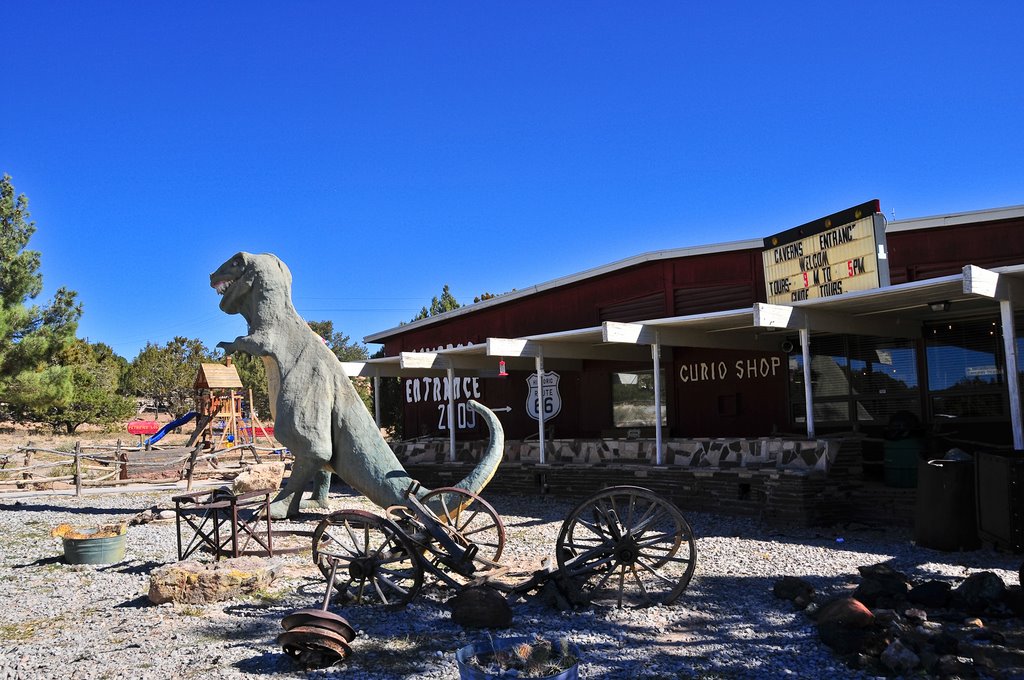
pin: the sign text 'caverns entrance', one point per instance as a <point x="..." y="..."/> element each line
<point x="837" y="254"/>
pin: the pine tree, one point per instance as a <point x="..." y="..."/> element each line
<point x="31" y="336"/>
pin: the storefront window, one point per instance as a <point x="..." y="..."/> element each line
<point x="856" y="379"/>
<point x="965" y="370"/>
<point x="633" y="399"/>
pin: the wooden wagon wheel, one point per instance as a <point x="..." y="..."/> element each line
<point x="469" y="520"/>
<point x="377" y="563"/>
<point x="626" y="545"/>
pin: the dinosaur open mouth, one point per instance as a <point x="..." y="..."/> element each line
<point x="222" y="286"/>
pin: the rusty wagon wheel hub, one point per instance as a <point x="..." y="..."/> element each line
<point x="362" y="568"/>
<point x="627" y="551"/>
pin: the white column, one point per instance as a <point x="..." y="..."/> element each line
<point x="539" y="361"/>
<point x="805" y="349"/>
<point x="656" y="355"/>
<point x="1012" y="384"/>
<point x="451" y="414"/>
<point x="376" y="400"/>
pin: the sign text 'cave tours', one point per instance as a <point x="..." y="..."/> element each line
<point x="830" y="256"/>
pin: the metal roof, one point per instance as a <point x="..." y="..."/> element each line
<point x="893" y="311"/>
<point x="935" y="222"/>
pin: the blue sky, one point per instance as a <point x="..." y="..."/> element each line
<point x="383" y="150"/>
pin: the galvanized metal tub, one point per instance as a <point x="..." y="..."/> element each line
<point x="105" y="550"/>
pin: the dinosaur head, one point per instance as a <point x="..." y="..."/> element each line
<point x="246" y="274"/>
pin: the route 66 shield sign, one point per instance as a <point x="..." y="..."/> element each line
<point x="546" y="398"/>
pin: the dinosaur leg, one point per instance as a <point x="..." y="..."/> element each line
<point x="288" y="501"/>
<point x="321" y="487"/>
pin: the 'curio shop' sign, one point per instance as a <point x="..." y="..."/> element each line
<point x="741" y="369"/>
<point x="837" y="254"/>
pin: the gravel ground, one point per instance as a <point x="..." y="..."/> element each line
<point x="95" y="621"/>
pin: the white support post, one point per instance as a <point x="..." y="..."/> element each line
<point x="376" y="400"/>
<point x="656" y="356"/>
<point x="1012" y="384"/>
<point x="539" y="362"/>
<point x="451" y="414"/>
<point x="805" y="349"/>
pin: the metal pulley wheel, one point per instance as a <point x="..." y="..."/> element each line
<point x="317" y="638"/>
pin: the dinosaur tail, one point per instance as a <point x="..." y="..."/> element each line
<point x="478" y="478"/>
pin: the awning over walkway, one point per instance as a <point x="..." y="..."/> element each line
<point x="898" y="311"/>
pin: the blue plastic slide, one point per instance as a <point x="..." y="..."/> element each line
<point x="170" y="426"/>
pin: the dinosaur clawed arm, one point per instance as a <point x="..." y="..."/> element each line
<point x="243" y="343"/>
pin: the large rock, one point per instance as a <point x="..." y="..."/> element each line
<point x="930" y="594"/>
<point x="882" y="586"/>
<point x="480" y="607"/>
<point x="978" y="592"/>
<point x="259" y="477"/>
<point x="845" y="625"/>
<point x="199" y="583"/>
<point x="846" y="611"/>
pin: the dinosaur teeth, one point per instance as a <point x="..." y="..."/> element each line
<point x="221" y="286"/>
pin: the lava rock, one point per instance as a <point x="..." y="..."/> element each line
<point x="978" y="592"/>
<point x="931" y="594"/>
<point x="842" y="639"/>
<point x="900" y="658"/>
<point x="882" y="586"/>
<point x="796" y="590"/>
<point x="1014" y="599"/>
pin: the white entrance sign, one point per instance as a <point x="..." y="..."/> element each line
<point x="548" y="399"/>
<point x="837" y="254"/>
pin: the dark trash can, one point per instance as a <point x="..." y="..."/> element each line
<point x="904" y="446"/>
<point x="1000" y="494"/>
<point x="902" y="457"/>
<point x="946" y="516"/>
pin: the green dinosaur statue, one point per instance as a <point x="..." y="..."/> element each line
<point x="318" y="414"/>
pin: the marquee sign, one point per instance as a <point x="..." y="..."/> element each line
<point x="830" y="256"/>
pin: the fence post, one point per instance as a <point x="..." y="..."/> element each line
<point x="191" y="467"/>
<point x="28" y="463"/>
<point x="122" y="458"/>
<point x="78" y="468"/>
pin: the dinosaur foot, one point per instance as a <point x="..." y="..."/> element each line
<point x="279" y="509"/>
<point x="314" y="504"/>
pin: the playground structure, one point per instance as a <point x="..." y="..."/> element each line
<point x="219" y="414"/>
<point x="220" y="407"/>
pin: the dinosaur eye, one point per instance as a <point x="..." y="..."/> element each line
<point x="237" y="262"/>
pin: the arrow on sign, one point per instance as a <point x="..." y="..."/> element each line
<point x="506" y="409"/>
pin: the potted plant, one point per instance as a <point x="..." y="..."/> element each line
<point x="519" y="657"/>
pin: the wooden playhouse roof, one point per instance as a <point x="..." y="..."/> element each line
<point x="217" y="376"/>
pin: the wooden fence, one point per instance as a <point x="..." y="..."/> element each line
<point x="31" y="467"/>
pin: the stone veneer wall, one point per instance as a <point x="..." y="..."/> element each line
<point x="807" y="482"/>
<point x="753" y="454"/>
